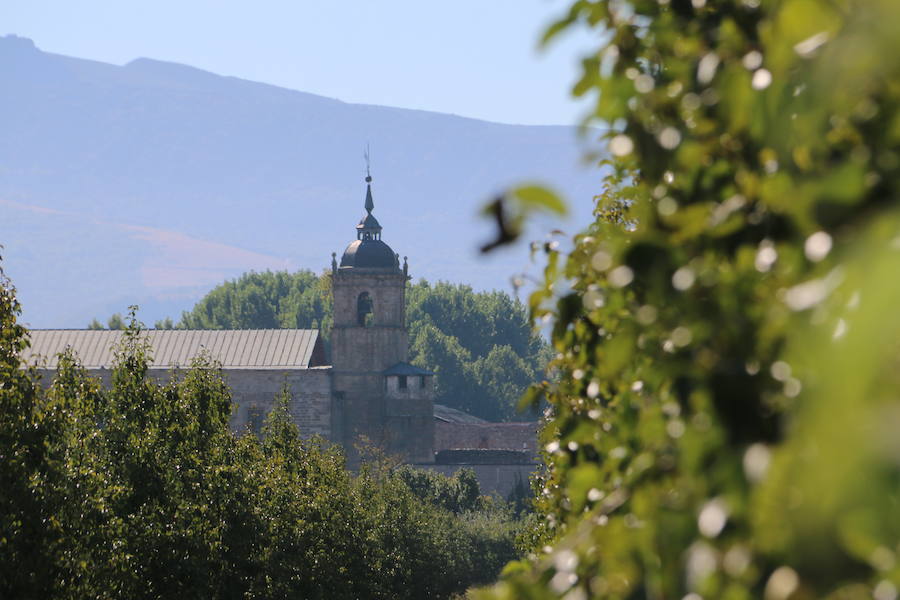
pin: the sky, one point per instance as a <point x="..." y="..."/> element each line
<point x="475" y="58"/>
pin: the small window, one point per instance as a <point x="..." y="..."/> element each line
<point x="422" y="382"/>
<point x="402" y="380"/>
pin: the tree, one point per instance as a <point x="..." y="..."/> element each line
<point x="116" y="321"/>
<point x="458" y="494"/>
<point x="432" y="348"/>
<point x="480" y="344"/>
<point x="729" y="340"/>
<point x="268" y="300"/>
<point x="505" y="375"/>
<point x="166" y="323"/>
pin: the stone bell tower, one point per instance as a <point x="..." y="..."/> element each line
<point x="382" y="399"/>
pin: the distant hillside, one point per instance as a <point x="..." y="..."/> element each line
<point x="150" y="183"/>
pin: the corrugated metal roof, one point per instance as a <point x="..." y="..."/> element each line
<point x="235" y="348"/>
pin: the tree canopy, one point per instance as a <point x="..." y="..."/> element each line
<point x="727" y="338"/>
<point x="481" y="346"/>
<point x="268" y="300"/>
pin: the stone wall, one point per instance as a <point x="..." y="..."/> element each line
<point x="492" y="479"/>
<point x="254" y="392"/>
<point x="361" y="350"/>
<point x="409" y="415"/>
<point x="494" y="436"/>
<point x="479" y="456"/>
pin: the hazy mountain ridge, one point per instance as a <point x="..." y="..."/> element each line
<point x="269" y="172"/>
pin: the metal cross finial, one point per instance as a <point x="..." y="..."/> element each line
<point x="368" y="164"/>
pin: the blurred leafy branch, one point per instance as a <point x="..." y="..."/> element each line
<point x="512" y="210"/>
<point x="724" y="423"/>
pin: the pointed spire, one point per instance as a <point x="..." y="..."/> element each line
<point x="368" y="228"/>
<point x="370" y="204"/>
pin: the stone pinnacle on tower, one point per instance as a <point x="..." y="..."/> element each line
<point x="370" y="204"/>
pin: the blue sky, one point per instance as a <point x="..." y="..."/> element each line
<point x="472" y="58"/>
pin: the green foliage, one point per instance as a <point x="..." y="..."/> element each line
<point x="140" y="490"/>
<point x="166" y="323"/>
<point x="116" y="321"/>
<point x="269" y="300"/>
<point x="458" y="494"/>
<point x="722" y="423"/>
<point x="480" y="344"/>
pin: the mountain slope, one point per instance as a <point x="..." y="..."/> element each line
<point x="148" y="183"/>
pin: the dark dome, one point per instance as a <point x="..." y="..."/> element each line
<point x="369" y="254"/>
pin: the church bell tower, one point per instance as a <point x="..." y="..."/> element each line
<point x="382" y="399"/>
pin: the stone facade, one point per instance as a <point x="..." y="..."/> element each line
<point x="255" y="391"/>
<point x="409" y="417"/>
<point x="494" y="436"/>
<point x="369" y="337"/>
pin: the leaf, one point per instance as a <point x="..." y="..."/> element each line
<point x="581" y="479"/>
<point x="510" y="211"/>
<point x="531" y="398"/>
<point x="560" y="25"/>
<point x="536" y="197"/>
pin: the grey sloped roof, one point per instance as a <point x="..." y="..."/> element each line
<point x="404" y="368"/>
<point x="452" y="415"/>
<point x="235" y="349"/>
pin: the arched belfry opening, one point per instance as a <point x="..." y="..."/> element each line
<point x="365" y="310"/>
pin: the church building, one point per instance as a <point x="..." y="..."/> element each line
<point x="369" y="395"/>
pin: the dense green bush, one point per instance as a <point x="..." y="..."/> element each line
<point x="142" y="491"/>
<point x="724" y="424"/>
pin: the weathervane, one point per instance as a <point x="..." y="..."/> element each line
<point x="368" y="164"/>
